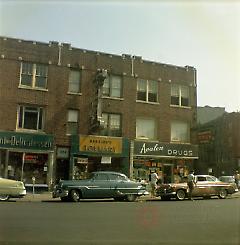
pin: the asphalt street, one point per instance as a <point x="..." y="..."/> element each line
<point x="212" y="222"/>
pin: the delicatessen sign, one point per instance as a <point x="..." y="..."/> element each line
<point x="165" y="149"/>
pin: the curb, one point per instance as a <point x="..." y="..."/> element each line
<point x="47" y="197"/>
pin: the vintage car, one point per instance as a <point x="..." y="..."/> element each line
<point x="206" y="186"/>
<point x="11" y="189"/>
<point x="101" y="184"/>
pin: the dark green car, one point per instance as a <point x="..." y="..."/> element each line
<point x="102" y="184"/>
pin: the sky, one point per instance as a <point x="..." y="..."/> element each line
<point x="200" y="33"/>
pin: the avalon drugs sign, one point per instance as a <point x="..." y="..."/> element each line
<point x="165" y="149"/>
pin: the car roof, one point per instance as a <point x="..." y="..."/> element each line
<point x="107" y="172"/>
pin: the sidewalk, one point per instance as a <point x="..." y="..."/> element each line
<point x="47" y="197"/>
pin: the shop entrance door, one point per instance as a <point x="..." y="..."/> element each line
<point x="168" y="173"/>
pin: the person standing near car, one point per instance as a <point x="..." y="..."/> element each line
<point x="153" y="182"/>
<point x="237" y="178"/>
<point x="191" y="182"/>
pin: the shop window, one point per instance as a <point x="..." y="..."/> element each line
<point x="147" y="91"/>
<point x="145" y="128"/>
<point x="72" y="122"/>
<point x="180" y="132"/>
<point x="112" y="86"/>
<point x="74" y="81"/>
<point x="112" y="125"/>
<point x="180" y="95"/>
<point x="33" y="75"/>
<point x="30" y="118"/>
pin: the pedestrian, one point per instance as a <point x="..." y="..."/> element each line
<point x="191" y="183"/>
<point x="153" y="182"/>
<point x="237" y="178"/>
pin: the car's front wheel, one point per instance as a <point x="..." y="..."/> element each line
<point x="131" y="197"/>
<point x="74" y="195"/>
<point x="222" y="194"/>
<point x="4" y="197"/>
<point x="180" y="195"/>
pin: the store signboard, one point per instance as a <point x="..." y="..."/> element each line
<point x="100" y="144"/>
<point x="63" y="152"/>
<point x="142" y="148"/>
<point x="14" y="140"/>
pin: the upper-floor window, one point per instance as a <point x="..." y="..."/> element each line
<point x="112" y="125"/>
<point x="112" y="86"/>
<point x="72" y="122"/>
<point x="30" y="117"/>
<point x="34" y="75"/>
<point x="147" y="90"/>
<point x="146" y="128"/>
<point x="180" y="132"/>
<point x="179" y="95"/>
<point x="74" y="81"/>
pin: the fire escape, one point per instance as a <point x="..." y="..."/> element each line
<point x="96" y="121"/>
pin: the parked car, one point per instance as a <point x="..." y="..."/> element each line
<point x="101" y="184"/>
<point x="206" y="186"/>
<point x="11" y="189"/>
<point x="228" y="179"/>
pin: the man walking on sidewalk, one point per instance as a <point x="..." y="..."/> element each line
<point x="191" y="183"/>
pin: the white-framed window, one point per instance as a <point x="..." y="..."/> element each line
<point x="72" y="122"/>
<point x="112" y="86"/>
<point x="147" y="90"/>
<point x="74" y="81"/>
<point x="112" y="125"/>
<point x="30" y="117"/>
<point x="180" y="132"/>
<point x="180" y="95"/>
<point x="146" y="128"/>
<point x="34" y="75"/>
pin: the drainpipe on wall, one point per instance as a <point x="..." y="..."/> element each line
<point x="132" y="65"/>
<point x="59" y="54"/>
<point x="131" y="159"/>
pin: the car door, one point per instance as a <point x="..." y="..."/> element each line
<point x="98" y="186"/>
<point x="119" y="185"/>
<point x="201" y="188"/>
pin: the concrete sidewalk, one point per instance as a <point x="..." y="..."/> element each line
<point x="47" y="197"/>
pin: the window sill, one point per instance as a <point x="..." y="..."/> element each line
<point x="72" y="93"/>
<point x="181" y="107"/>
<point x="146" y="102"/>
<point x="33" y="88"/>
<point x="29" y="131"/>
<point x="180" y="143"/>
<point x="112" y="98"/>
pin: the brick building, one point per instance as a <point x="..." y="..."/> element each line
<point x="219" y="144"/>
<point x="66" y="111"/>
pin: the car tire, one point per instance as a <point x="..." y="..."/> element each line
<point x="131" y="197"/>
<point x="4" y="197"/>
<point x="180" y="195"/>
<point x="222" y="194"/>
<point x="75" y="195"/>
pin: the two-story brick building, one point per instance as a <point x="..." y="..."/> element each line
<point x="67" y="111"/>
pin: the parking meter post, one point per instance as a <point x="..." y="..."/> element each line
<point x="33" y="181"/>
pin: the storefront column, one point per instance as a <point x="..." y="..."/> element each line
<point x="50" y="170"/>
<point x="6" y="164"/>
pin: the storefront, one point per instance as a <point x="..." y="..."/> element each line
<point x="27" y="157"/>
<point x="170" y="161"/>
<point x="94" y="153"/>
